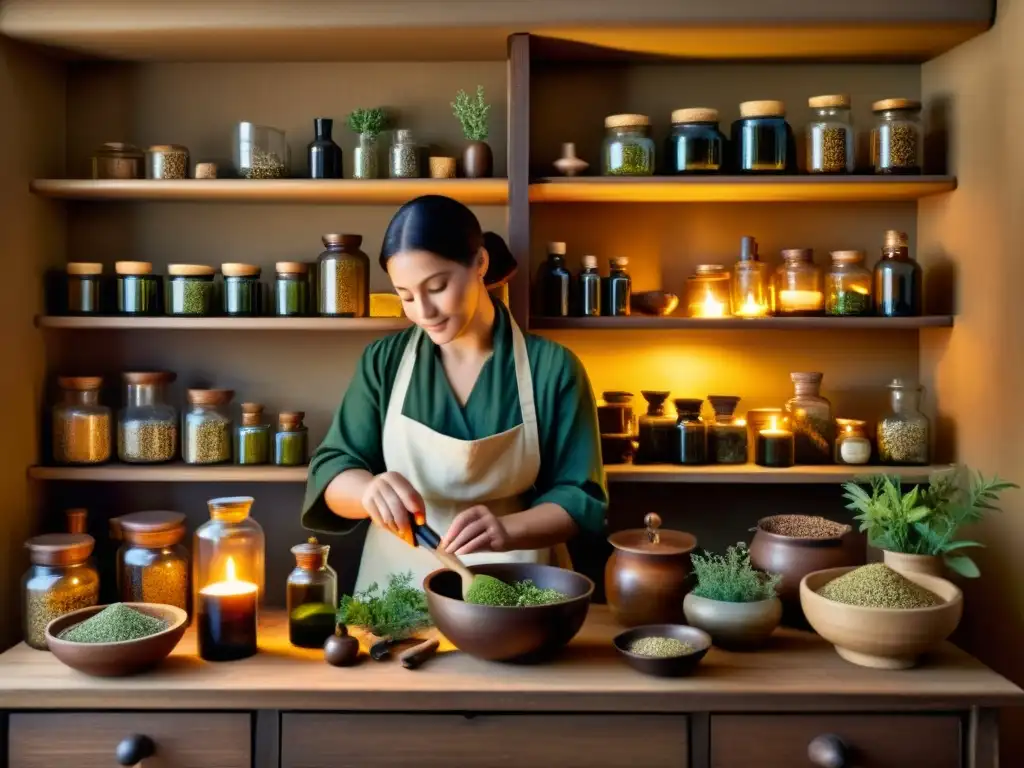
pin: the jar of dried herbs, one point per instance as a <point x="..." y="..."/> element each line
<point x="628" y="147"/>
<point x="848" y="286"/>
<point x="897" y="138"/>
<point x="84" y="281"/>
<point x="206" y="427"/>
<point x="830" y="138"/>
<point x="904" y="432"/>
<point x="190" y="290"/>
<point x="727" y="435"/>
<point x="343" y="277"/>
<point x="252" y="436"/>
<point x="312" y="596"/>
<point x="405" y="156"/>
<point x="138" y="289"/>
<point x="241" y="290"/>
<point x="152" y="563"/>
<point x="167" y="161"/>
<point x="59" y="581"/>
<point x="292" y="439"/>
<point x="147" y="426"/>
<point x="810" y="419"/>
<point x="291" y="289"/>
<point x="81" y="425"/>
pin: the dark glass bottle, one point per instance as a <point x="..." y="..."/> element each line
<point x="588" y="288"/>
<point x="553" y="283"/>
<point x="696" y="145"/>
<point x="658" y="436"/>
<point x="897" y="279"/>
<point x="324" y="154"/>
<point x="692" y="432"/>
<point x="311" y="595"/>
<point x="617" y="288"/>
<point x="762" y="139"/>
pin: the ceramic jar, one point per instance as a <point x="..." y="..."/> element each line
<point x="739" y="626"/>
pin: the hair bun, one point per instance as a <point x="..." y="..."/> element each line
<point x="502" y="264"/>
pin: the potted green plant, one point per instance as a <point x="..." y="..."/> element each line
<point x="733" y="602"/>
<point x="368" y="123"/>
<point x="477" y="159"/>
<point x="917" y="531"/>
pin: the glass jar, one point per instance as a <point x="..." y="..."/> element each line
<point x="116" y="160"/>
<point x="260" y="152"/>
<point x="831" y="143"/>
<point x="617" y="288"/>
<point x="692" y="433"/>
<point x="311" y="595"/>
<point x="708" y="292"/>
<point x="658" y="438"/>
<point x="343" y="277"/>
<point x="81" y="426"/>
<point x="405" y="156"/>
<point x="242" y="290"/>
<point x="147" y="426"/>
<point x="206" y="427"/>
<point x="167" y="161"/>
<point x="60" y="580"/>
<point x="190" y="290"/>
<point x="727" y="435"/>
<point x="291" y="443"/>
<point x="152" y="563"/>
<point x="904" y="433"/>
<point x="762" y="139"/>
<point x="84" y="280"/>
<point x="810" y="419"/>
<point x="896" y="138"/>
<point x="897" y="279"/>
<point x="138" y="289"/>
<point x="849" y="286"/>
<point x="751" y="290"/>
<point x="588" y="287"/>
<point x="252" y="436"/>
<point x="696" y="145"/>
<point x="364" y="157"/>
<point x="628" y="147"/>
<point x="798" y="285"/>
<point x="291" y="289"/>
<point x="615" y="414"/>
<point x="553" y="283"/>
<point x="852" y="443"/>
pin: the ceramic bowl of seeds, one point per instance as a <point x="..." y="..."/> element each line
<point x="663" y="650"/>
<point x="877" y="617"/>
<point x="116" y="640"/>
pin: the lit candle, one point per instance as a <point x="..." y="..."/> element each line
<point x="227" y="618"/>
<point x="751" y="308"/>
<point x="852" y="445"/>
<point x="801" y="301"/>
<point x="710" y="307"/>
<point x="775" y="447"/>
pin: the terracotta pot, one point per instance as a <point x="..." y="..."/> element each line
<point x="737" y="626"/>
<point x="930" y="565"/>
<point x="478" y="160"/>
<point x="645" y="581"/>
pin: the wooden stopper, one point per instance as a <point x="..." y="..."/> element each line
<point x="626" y="121"/>
<point x="77" y="519"/>
<point x="834" y="100"/>
<point x="149" y="377"/>
<point x="80" y="383"/>
<point x="289" y="420"/>
<point x="886" y="104"/>
<point x="84" y="268"/>
<point x="847" y="257"/>
<point x="768" y="108"/>
<point x="252" y="413"/>
<point x="291" y="268"/>
<point x="190" y="270"/>
<point x="239" y="270"/>
<point x="210" y="396"/>
<point x="694" y="115"/>
<point x="133" y="268"/>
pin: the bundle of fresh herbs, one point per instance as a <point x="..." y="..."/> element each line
<point x="398" y="611"/>
<point x="731" y="578"/>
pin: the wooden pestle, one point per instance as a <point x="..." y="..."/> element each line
<point x="428" y="539"/>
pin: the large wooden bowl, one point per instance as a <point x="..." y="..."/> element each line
<point x="883" y="638"/>
<point x="528" y="634"/>
<point x="117" y="659"/>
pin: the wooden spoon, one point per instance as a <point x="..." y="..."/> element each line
<point x="428" y="539"/>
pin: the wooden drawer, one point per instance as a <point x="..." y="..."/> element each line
<point x="871" y="741"/>
<point x="443" y="741"/>
<point x="89" y="740"/>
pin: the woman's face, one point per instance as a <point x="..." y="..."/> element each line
<point x="439" y="295"/>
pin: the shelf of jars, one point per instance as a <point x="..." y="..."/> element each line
<point x="125" y="323"/>
<point x="171" y="473"/>
<point x="645" y="322"/>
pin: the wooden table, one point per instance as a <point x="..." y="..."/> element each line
<point x="286" y="707"/>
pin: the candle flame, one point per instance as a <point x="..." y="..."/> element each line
<point x="230" y="570"/>
<point x="774" y="422"/>
<point x="751" y="308"/>
<point x="711" y="306"/>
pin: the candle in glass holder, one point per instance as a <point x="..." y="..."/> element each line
<point x="791" y="302"/>
<point x="775" y="447"/>
<point x="752" y="308"/>
<point x="708" y="292"/>
<point x="227" y="618"/>
<point x="709" y="307"/>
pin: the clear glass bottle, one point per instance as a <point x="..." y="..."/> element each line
<point x="230" y="546"/>
<point x="831" y="143"/>
<point x="116" y="160"/>
<point x="897" y="139"/>
<point x="343" y="277"/>
<point x="147" y="426"/>
<point x="897" y="279"/>
<point x="658" y="438"/>
<point x="617" y="289"/>
<point x="242" y="290"/>
<point x="167" y="162"/>
<point x="852" y="443"/>
<point x="84" y="288"/>
<point x="138" y="289"/>
<point x="206" y="427"/>
<point x="798" y="285"/>
<point x="364" y="157"/>
<point x="692" y="433"/>
<point x="260" y="152"/>
<point x="708" y="292"/>
<point x="291" y="443"/>
<point x="252" y="436"/>
<point x="904" y="434"/>
<point x="727" y="435"/>
<point x="60" y="580"/>
<point x="405" y="156"/>
<point x="762" y="140"/>
<point x="553" y="283"/>
<point x="751" y="284"/>
<point x="81" y="425"/>
<point x="291" y="289"/>
<point x="588" y="286"/>
<point x="696" y="145"/>
<point x="152" y="563"/>
<point x="190" y="290"/>
<point x="628" y="147"/>
<point x="848" y="286"/>
<point x="810" y="419"/>
<point x="312" y="596"/>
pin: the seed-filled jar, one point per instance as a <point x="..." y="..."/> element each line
<point x="628" y="146"/>
<point x="241" y="290"/>
<point x="84" y="280"/>
<point x="252" y="436"/>
<point x="343" y="277"/>
<point x="138" y="289"/>
<point x="81" y="425"/>
<point x="167" y="161"/>
<point x="59" y="581"/>
<point x="116" y="160"/>
<point x="696" y="145"/>
<point x="206" y="428"/>
<point x="762" y="139"/>
<point x="405" y="156"/>
<point x="708" y="291"/>
<point x="831" y="144"/>
<point x="617" y="288"/>
<point x="692" y="432"/>
<point x="897" y="279"/>
<point x="897" y="139"/>
<point x="810" y="417"/>
<point x="152" y="563"/>
<point x="260" y="151"/>
<point x="727" y="435"/>
<point x="852" y="443"/>
<point x="311" y="595"/>
<point x="798" y="285"/>
<point x="147" y="426"/>
<point x="903" y="433"/>
<point x="848" y="285"/>
<point x="291" y="289"/>
<point x="292" y="439"/>
<point x="190" y="290"/>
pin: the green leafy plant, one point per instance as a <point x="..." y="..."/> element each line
<point x="397" y="612"/>
<point x="925" y="521"/>
<point x="731" y="578"/>
<point x="368" y="121"/>
<point x="472" y="113"/>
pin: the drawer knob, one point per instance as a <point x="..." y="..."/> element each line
<point x="133" y="749"/>
<point x="827" y="751"/>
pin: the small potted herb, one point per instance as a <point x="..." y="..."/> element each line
<point x="477" y="159"/>
<point x="396" y="613"/>
<point x="368" y="123"/>
<point x="917" y="531"/>
<point x="733" y="602"/>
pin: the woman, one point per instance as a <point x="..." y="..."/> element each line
<point x="489" y="435"/>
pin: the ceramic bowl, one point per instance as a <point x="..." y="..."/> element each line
<point x="736" y="626"/>
<point x="673" y="666"/>
<point x="657" y="303"/>
<point x="117" y="659"/>
<point x="882" y="638"/>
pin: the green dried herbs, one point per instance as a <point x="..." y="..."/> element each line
<point x="731" y="578"/>
<point x="399" y="611"/>
<point x="660" y="647"/>
<point x="116" y="623"/>
<point x="487" y="590"/>
<point x="878" y="586"/>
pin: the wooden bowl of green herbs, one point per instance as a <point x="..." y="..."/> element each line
<point x="116" y="640"/>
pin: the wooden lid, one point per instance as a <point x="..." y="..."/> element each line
<point x="190" y="270"/>
<point x="80" y="383"/>
<point x="618" y="262"/>
<point x="347" y="240"/>
<point x="670" y="543"/>
<point x="886" y="104"/>
<point x="851" y="423"/>
<point x="895" y="239"/>
<point x="290" y="418"/>
<point x="251" y="414"/>
<point x="798" y="254"/>
<point x="626" y="121"/>
<point x="155" y="528"/>
<point x="168" y="149"/>
<point x="60" y="548"/>
<point x="291" y="268"/>
<point x="133" y="268"/>
<point x="847" y="257"/>
<point x="724" y="406"/>
<point x="311" y="554"/>
<point x="84" y="268"/>
<point x="695" y="115"/>
<point x="210" y="396"/>
<point x="768" y="108"/>
<point x="77" y="519"/>
<point x="831" y="100"/>
<point x="240" y="270"/>
<point x="149" y="377"/>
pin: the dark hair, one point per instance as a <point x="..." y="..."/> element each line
<point x="446" y="227"/>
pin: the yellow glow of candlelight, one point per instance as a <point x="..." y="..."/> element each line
<point x="774" y="430"/>
<point x="801" y="301"/>
<point x="710" y="307"/>
<point x="231" y="585"/>
<point x="860" y="289"/>
<point x="752" y="308"/>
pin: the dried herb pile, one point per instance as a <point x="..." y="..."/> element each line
<point x="398" y="611"/>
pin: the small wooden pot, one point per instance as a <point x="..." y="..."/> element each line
<point x="442" y="167"/>
<point x="478" y="160"/>
<point x="929" y="565"/>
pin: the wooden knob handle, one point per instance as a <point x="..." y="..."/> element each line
<point x="132" y="750"/>
<point x="652" y="520"/>
<point x="827" y="751"/>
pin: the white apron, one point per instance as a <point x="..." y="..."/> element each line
<point x="452" y="475"/>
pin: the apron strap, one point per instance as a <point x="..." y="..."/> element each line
<point x="400" y="387"/>
<point x="524" y="380"/>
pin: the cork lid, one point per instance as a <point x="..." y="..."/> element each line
<point x="557" y="249"/>
<point x="155" y="528"/>
<point x="694" y="115"/>
<point x="190" y="270"/>
<point x="896" y="239"/>
<point x="723" y="405"/>
<point x="589" y="261"/>
<point x="80" y="383"/>
<point x="798" y="254"/>
<point x="240" y="270"/>
<point x="210" y="396"/>
<point x="830" y="100"/>
<point x="288" y="420"/>
<point x="168" y="149"/>
<point x="133" y="268"/>
<point x="886" y="104"/>
<point x="348" y="241"/>
<point x="148" y="377"/>
<point x="77" y="519"/>
<point x="60" y="548"/>
<point x="847" y="257"/>
<point x="626" y="121"/>
<point x="252" y="413"/>
<point x="230" y="509"/>
<point x="84" y="268"/>
<point x="618" y="262"/>
<point x="291" y="268"/>
<point x="766" y="108"/>
<point x="652" y="540"/>
<point x="310" y="555"/>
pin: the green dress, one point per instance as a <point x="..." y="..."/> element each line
<point x="571" y="474"/>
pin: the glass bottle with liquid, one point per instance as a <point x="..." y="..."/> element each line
<point x="751" y="294"/>
<point x="897" y="279"/>
<point x="553" y="283"/>
<point x="311" y="595"/>
<point x="617" y="289"/>
<point x="588" y="286"/>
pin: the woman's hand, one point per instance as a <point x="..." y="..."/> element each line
<point x="390" y="501"/>
<point x="476" y="530"/>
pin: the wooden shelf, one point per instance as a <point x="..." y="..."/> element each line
<point x="645" y="322"/>
<point x="172" y="473"/>
<point x="322" y="191"/>
<point x="738" y="189"/>
<point x="335" y="324"/>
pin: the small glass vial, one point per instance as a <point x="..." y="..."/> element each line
<point x="60" y="580"/>
<point x="405" y="156"/>
<point x="152" y="563"/>
<point x="553" y="283"/>
<point x="312" y="596"/>
<point x="252" y="436"/>
<point x="762" y="139"/>
<point x="291" y="443"/>
<point x="84" y="281"/>
<point x="343" y="277"/>
<point x="896" y="138"/>
<point x="904" y="433"/>
<point x="727" y="435"/>
<point x="810" y="418"/>
<point x="260" y="152"/>
<point x="852" y="443"/>
<point x="138" y="289"/>
<point x="167" y="161"/>
<point x="618" y="287"/>
<point x="751" y="289"/>
<point x="696" y="145"/>
<point x="147" y="427"/>
<point x="848" y="286"/>
<point x="658" y="438"/>
<point x="830" y="138"/>
<point x="798" y="285"/>
<point x="190" y="290"/>
<point x="116" y="160"/>
<point x="588" y="286"/>
<point x="242" y="290"/>
<point x="897" y="279"/>
<point x="692" y="432"/>
<point x="628" y="147"/>
<point x="291" y="289"/>
<point x="206" y="427"/>
<point x="81" y="425"/>
<point x="708" y="292"/>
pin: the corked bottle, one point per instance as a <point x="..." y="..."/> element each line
<point x="810" y="418"/>
<point x="252" y="437"/>
<point x="60" y="580"/>
<point x="242" y="291"/>
<point x="84" y="282"/>
<point x="762" y="139"/>
<point x="897" y="279"/>
<point x="206" y="431"/>
<point x="291" y="441"/>
<point x="311" y="595"/>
